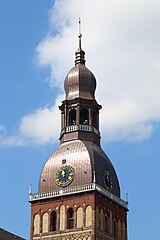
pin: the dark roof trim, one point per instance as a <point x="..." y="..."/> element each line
<point x="5" y="235"/>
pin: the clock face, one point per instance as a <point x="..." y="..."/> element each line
<point x="64" y="176"/>
<point x="107" y="181"/>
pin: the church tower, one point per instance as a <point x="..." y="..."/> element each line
<point x="79" y="194"/>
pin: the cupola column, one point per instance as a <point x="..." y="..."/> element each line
<point x="78" y="114"/>
<point x="65" y="115"/>
<point x="90" y="117"/>
<point x="62" y="120"/>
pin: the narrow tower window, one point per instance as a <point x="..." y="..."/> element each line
<point x="53" y="221"/>
<point x="70" y="218"/>
<point x="88" y="216"/>
<point x="106" y="223"/>
<point x="84" y="117"/>
<point x="72" y="117"/>
<point x="62" y="217"/>
<point x="80" y="217"/>
<point x="36" y="224"/>
<point x="115" y="230"/>
<point x="45" y="223"/>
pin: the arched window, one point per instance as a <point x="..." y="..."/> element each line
<point x="97" y="217"/>
<point x="70" y="218"/>
<point x="115" y="229"/>
<point x="106" y="223"/>
<point x="53" y="221"/>
<point x="101" y="219"/>
<point x="79" y="217"/>
<point x="84" y="117"/>
<point x="88" y="216"/>
<point x="123" y="231"/>
<point x="72" y="117"/>
<point x="119" y="229"/>
<point x="36" y="224"/>
<point x="45" y="223"/>
<point x="62" y="218"/>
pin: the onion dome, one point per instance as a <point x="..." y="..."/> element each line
<point x="82" y="158"/>
<point x="80" y="82"/>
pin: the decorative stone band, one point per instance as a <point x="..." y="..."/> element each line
<point x="75" y="190"/>
<point x="71" y="235"/>
<point x="85" y="128"/>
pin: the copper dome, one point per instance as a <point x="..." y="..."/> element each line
<point x="85" y="157"/>
<point x="80" y="83"/>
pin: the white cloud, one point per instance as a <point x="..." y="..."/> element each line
<point x="13" y="140"/>
<point x="9" y="140"/>
<point x="42" y="125"/>
<point x="121" y="40"/>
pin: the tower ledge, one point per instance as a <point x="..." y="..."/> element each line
<point x="76" y="190"/>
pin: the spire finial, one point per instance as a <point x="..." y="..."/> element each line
<point x="30" y="188"/>
<point x="127" y="197"/>
<point x="80" y="53"/>
<point x="80" y="34"/>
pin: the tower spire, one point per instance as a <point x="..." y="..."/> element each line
<point x="80" y="34"/>
<point x="80" y="53"/>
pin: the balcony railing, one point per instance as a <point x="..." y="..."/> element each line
<point x="85" y="128"/>
<point x="75" y="190"/>
<point x="72" y="128"/>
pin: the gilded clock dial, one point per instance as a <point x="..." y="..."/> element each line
<point x="64" y="176"/>
<point x="107" y="180"/>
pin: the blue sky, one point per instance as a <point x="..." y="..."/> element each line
<point x="121" y="40"/>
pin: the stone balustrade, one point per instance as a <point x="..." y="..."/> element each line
<point x="76" y="190"/>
